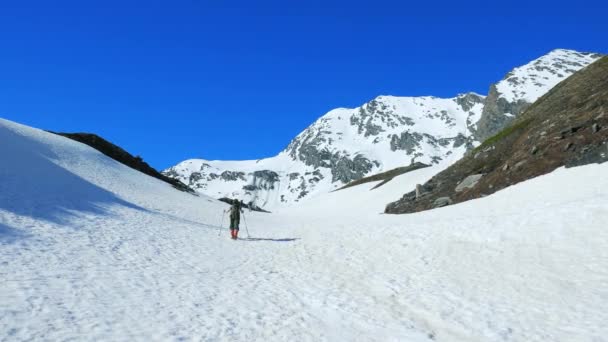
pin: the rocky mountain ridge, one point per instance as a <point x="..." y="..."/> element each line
<point x="388" y="132"/>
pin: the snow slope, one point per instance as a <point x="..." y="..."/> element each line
<point x="92" y="250"/>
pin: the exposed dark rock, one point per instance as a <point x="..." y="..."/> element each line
<point x="460" y="140"/>
<point x="346" y="170"/>
<point x="265" y="179"/>
<point x="469" y="100"/>
<point x="570" y="130"/>
<point x="406" y="141"/>
<point x="593" y="154"/>
<point x="231" y="176"/>
<point x="266" y="175"/>
<point x="364" y="119"/>
<point x="195" y="177"/>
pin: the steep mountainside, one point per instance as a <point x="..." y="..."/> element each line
<point x="388" y="132"/>
<point x="566" y="127"/>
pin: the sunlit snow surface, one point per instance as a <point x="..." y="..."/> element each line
<point x="533" y="80"/>
<point x="92" y="250"/>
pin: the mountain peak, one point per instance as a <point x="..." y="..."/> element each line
<point x="532" y="80"/>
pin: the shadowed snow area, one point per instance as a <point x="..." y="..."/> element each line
<point x="35" y="184"/>
<point x="93" y="250"/>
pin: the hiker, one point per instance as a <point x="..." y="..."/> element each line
<point x="235" y="218"/>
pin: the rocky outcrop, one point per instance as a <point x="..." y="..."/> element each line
<point x="406" y="141"/>
<point x="469" y="100"/>
<point x="497" y="114"/>
<point x="345" y="169"/>
<point x="468" y="182"/>
<point x="265" y="179"/>
<point x="231" y="176"/>
<point x="563" y="128"/>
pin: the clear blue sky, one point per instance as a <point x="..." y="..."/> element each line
<point x="172" y="80"/>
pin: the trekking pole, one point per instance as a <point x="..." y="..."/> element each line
<point x="246" y="228"/>
<point x="221" y="222"/>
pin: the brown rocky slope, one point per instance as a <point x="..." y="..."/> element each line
<point x="568" y="126"/>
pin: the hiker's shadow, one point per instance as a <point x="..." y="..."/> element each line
<point x="269" y="239"/>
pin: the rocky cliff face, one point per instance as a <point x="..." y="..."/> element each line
<point x="566" y="127"/>
<point x="388" y="132"/>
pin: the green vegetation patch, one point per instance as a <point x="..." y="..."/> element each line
<point x="504" y="133"/>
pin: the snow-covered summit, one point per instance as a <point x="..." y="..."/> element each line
<point x="531" y="81"/>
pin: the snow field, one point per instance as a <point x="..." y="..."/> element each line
<point x="111" y="254"/>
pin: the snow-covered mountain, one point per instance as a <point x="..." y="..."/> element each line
<point x="347" y="144"/>
<point x="343" y="145"/>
